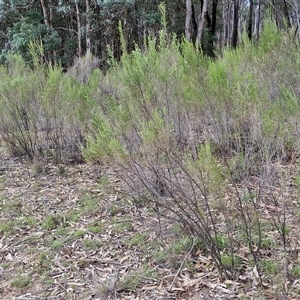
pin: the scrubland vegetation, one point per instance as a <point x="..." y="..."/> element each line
<point x="212" y="144"/>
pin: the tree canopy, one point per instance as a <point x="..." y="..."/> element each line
<point x="71" y="28"/>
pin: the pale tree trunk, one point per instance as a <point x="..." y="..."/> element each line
<point x="88" y="27"/>
<point x="125" y="32"/>
<point x="50" y="14"/>
<point x="45" y="13"/>
<point x="227" y="7"/>
<point x="78" y="29"/>
<point x="201" y="21"/>
<point x="296" y="8"/>
<point x="188" y="18"/>
<point x="224" y="22"/>
<point x="257" y="20"/>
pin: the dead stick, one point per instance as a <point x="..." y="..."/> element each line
<point x="181" y="265"/>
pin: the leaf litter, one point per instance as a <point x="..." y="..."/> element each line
<point x="76" y="236"/>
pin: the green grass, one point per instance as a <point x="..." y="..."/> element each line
<point x="25" y="222"/>
<point x="85" y="206"/>
<point x="80" y="233"/>
<point x="90" y="244"/>
<point x="33" y="240"/>
<point x="270" y="267"/>
<point x="139" y="239"/>
<point x="267" y="242"/>
<point x="120" y="225"/>
<point x="30" y="221"/>
<point x="21" y="281"/>
<point x="53" y="222"/>
<point x="296" y="271"/>
<point x="231" y="262"/>
<point x="75" y="215"/>
<point x="132" y="280"/>
<point x="221" y="242"/>
<point x="11" y="207"/>
<point x="96" y="228"/>
<point x="104" y="182"/>
<point x="177" y="228"/>
<point x="160" y="255"/>
<point x="58" y="244"/>
<point x="62" y="231"/>
<point x="44" y="259"/>
<point x="7" y="227"/>
<point x="4" y="266"/>
<point x="89" y="204"/>
<point x="182" y="246"/>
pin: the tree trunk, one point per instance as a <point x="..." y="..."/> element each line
<point x="250" y="19"/>
<point x="45" y="13"/>
<point x="211" y="23"/>
<point x="88" y="27"/>
<point x="298" y="22"/>
<point x="201" y="22"/>
<point x="286" y="13"/>
<point x="235" y="24"/>
<point x="79" y="53"/>
<point x="257" y="21"/>
<point x="226" y="12"/>
<point x="50" y="14"/>
<point x="214" y="17"/>
<point x="194" y="23"/>
<point x="188" y="18"/>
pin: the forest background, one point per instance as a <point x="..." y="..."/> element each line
<point x="69" y="29"/>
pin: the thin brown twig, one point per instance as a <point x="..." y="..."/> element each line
<point x="181" y="265"/>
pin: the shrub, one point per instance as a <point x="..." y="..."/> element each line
<point x="190" y="134"/>
<point x="43" y="109"/>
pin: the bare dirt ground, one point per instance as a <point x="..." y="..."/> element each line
<point x="66" y="232"/>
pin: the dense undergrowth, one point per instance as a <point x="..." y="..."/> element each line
<point x="214" y="142"/>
